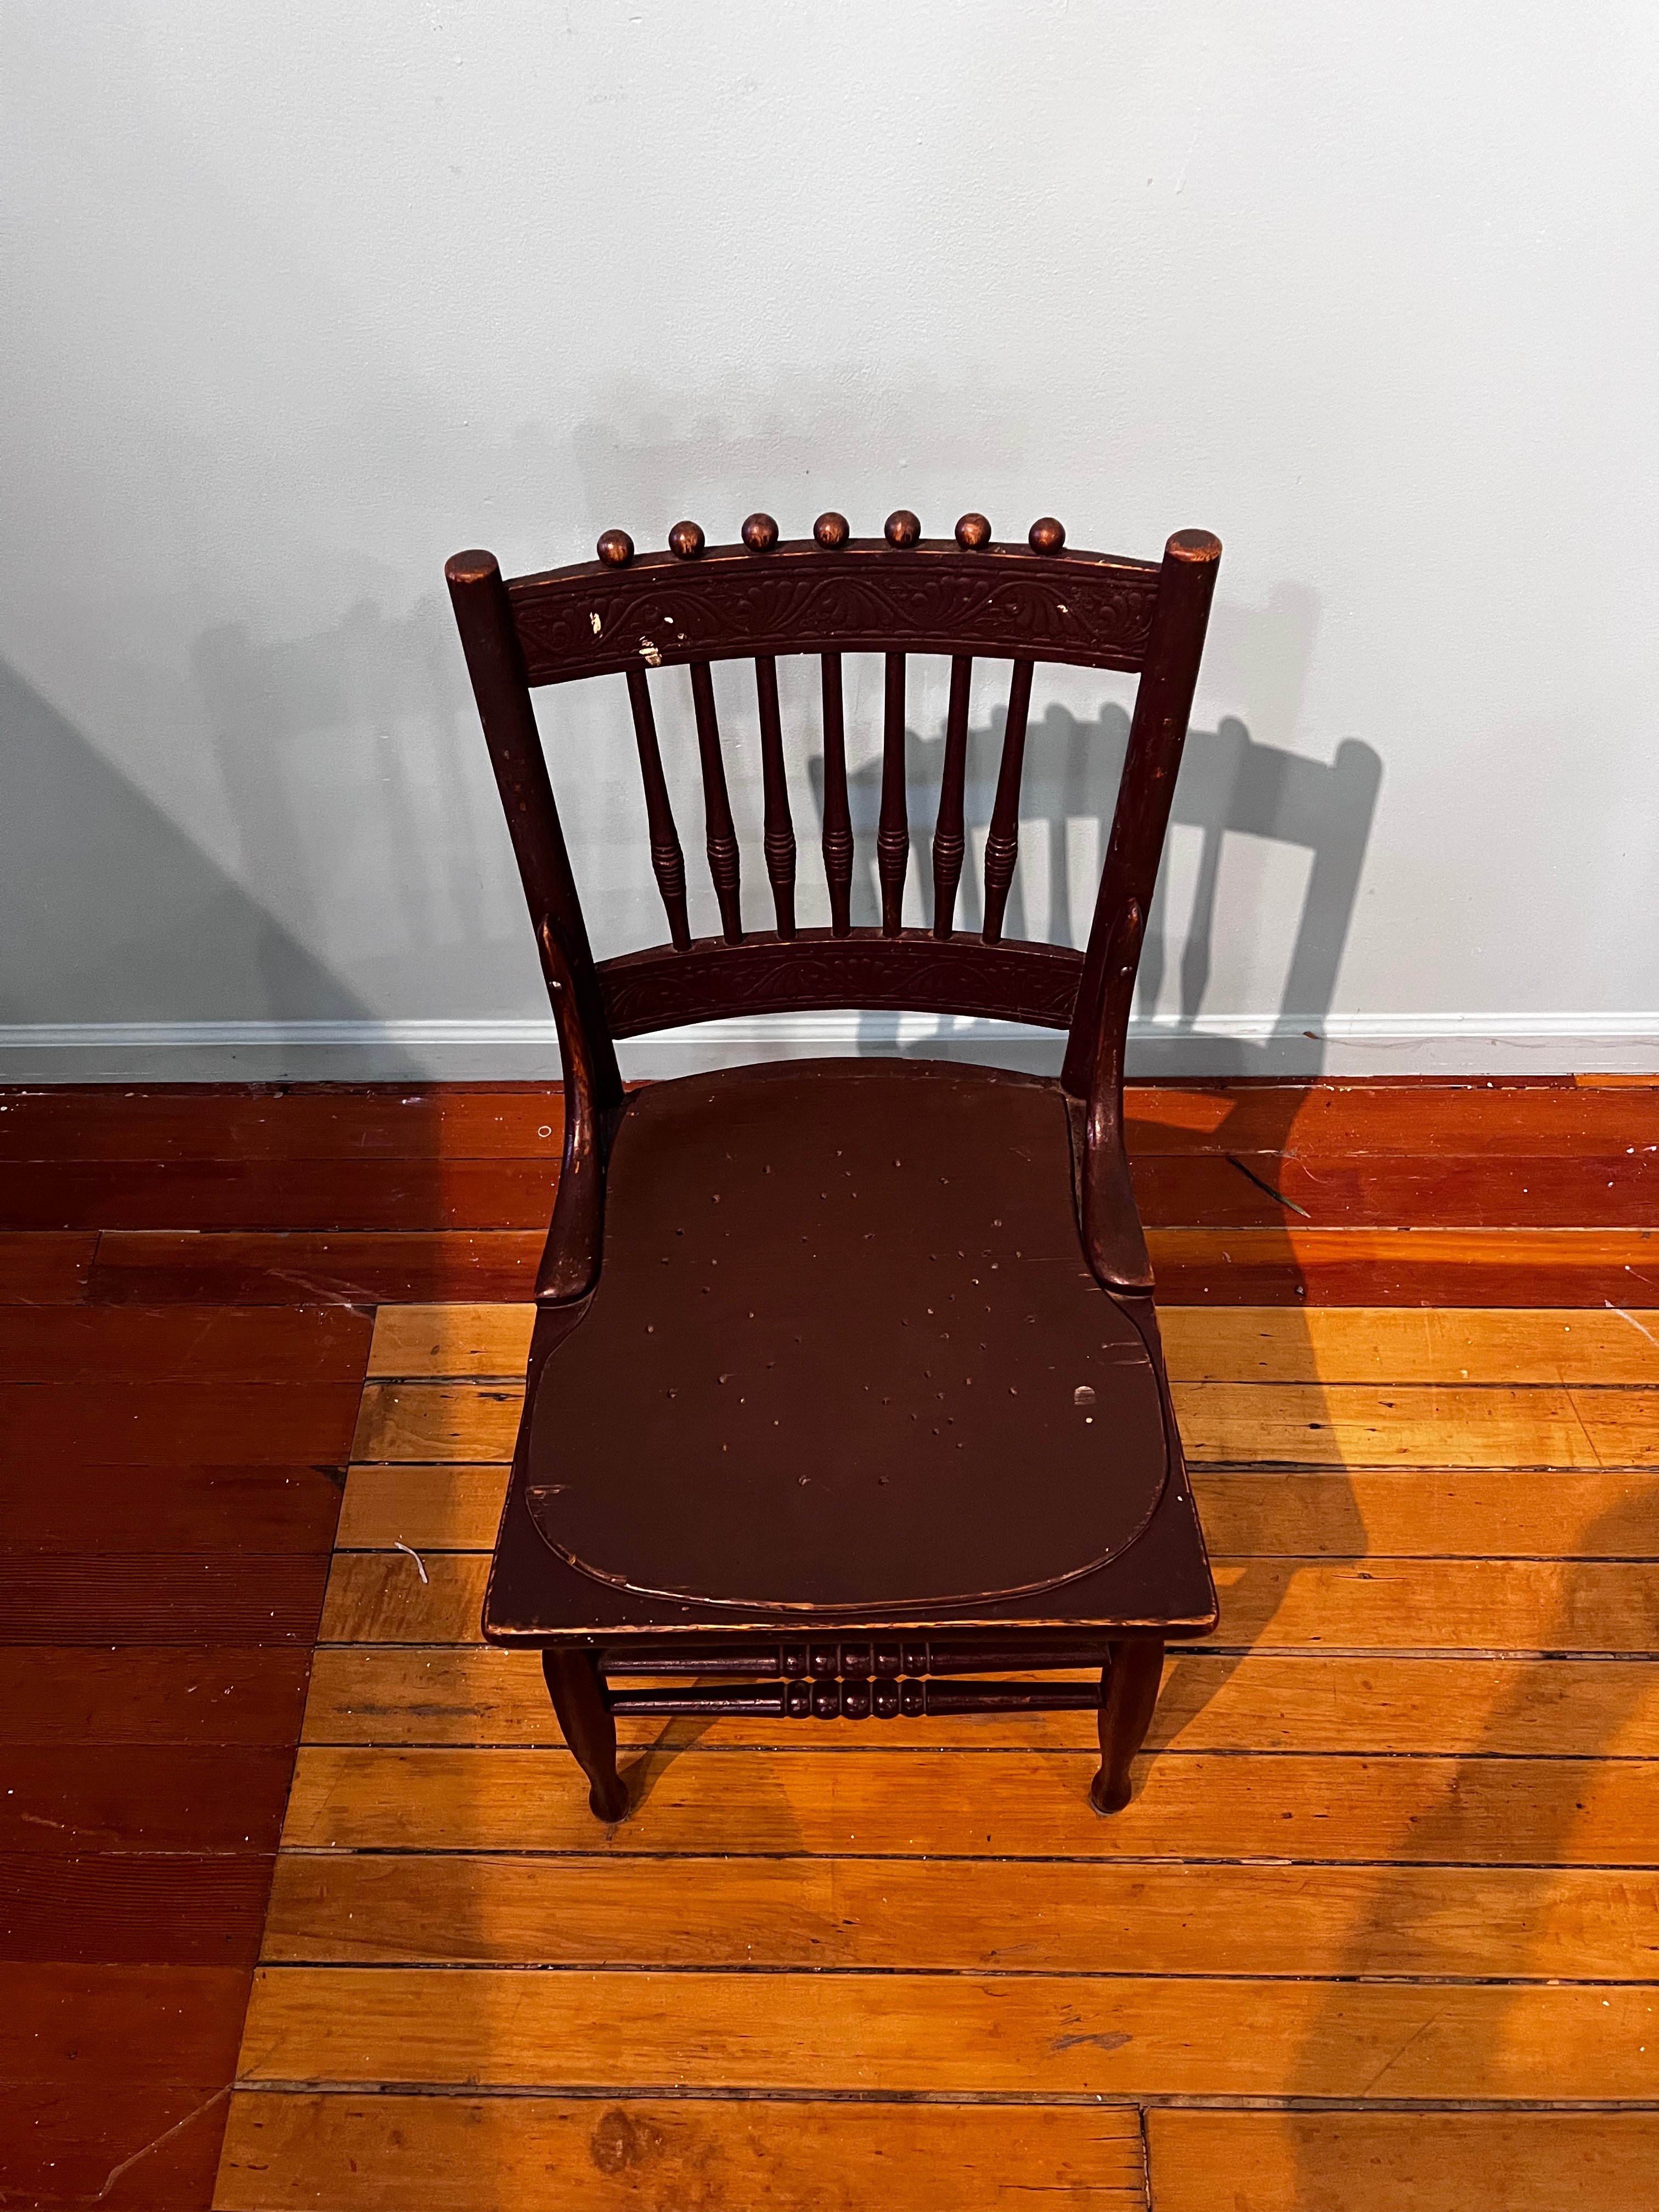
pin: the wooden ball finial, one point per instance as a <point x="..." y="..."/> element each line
<point x="831" y="529"/>
<point x="615" y="548"/>
<point x="973" y="532"/>
<point x="1045" y="535"/>
<point x="686" y="539"/>
<point x="902" y="528"/>
<point x="760" y="533"/>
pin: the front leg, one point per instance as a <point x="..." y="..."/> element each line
<point x="577" y="1688"/>
<point x="1128" y="1691"/>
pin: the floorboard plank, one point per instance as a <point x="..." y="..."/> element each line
<point x="1335" y="1118"/>
<point x="391" y="2154"/>
<point x="45" y="1270"/>
<point x="113" y="2025"/>
<point x="117" y="2146"/>
<point x="964" y="1917"/>
<point x="1376" y="1604"/>
<point x="161" y="1266"/>
<point x="1537" y="1708"/>
<point x="1360" y="2161"/>
<point x="993" y="1804"/>
<point x="435" y="1122"/>
<point x="1390" y="1345"/>
<point x="1403" y="1513"/>
<point x="454" y="1506"/>
<point x="180" y="1344"/>
<point x="310" y="1195"/>
<point x="1314" y="1425"/>
<point x="1255" y="1191"/>
<point x="165" y="1422"/>
<point x="190" y="1694"/>
<point x="121" y="1508"/>
<point x="1436" y="1190"/>
<point x="1072" y="2034"/>
<point x="1472" y="1513"/>
<point x="160" y="1597"/>
<point x="1294" y="1424"/>
<point x="460" y="1340"/>
<point x="1521" y="1266"/>
<point x="73" y="1798"/>
<point x="1527" y="1268"/>
<point x="1384" y="1344"/>
<point x="1334" y="1115"/>
<point x="176" y="1908"/>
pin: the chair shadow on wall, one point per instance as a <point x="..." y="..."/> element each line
<point x="110" y="912"/>
<point x="348" y="749"/>
<point x="1228" y="784"/>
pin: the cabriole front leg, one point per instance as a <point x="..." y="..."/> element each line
<point x="577" y="1688"/>
<point x="1129" y="1693"/>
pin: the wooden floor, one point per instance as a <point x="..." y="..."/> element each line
<point x="1380" y="1926"/>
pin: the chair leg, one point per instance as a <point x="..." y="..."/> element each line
<point x="1128" y="1691"/>
<point x="577" y="1689"/>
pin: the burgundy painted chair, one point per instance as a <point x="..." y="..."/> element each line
<point x="845" y="1383"/>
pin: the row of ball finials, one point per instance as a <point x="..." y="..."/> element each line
<point x="760" y="535"/>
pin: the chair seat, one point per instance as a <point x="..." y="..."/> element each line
<point x="845" y="1356"/>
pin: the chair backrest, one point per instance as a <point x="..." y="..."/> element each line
<point x="965" y="598"/>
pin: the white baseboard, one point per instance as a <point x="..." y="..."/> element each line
<point x="505" y="1049"/>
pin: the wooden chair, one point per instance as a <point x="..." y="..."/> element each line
<point x="845" y="1383"/>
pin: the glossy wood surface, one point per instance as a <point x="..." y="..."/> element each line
<point x="833" y="591"/>
<point x="416" y="2154"/>
<point x="1472" y="1812"/>
<point x="809" y="1354"/>
<point x="1427" y="1874"/>
<point x="649" y="1488"/>
<point x="169" y="1482"/>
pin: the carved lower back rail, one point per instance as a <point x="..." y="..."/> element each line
<point x="855" y="1697"/>
<point x="852" y="1681"/>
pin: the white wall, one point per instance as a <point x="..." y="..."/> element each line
<point x="301" y="300"/>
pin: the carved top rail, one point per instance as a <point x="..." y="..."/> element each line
<point x="833" y="594"/>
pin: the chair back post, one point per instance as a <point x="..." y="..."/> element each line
<point x="495" y="663"/>
<point x="1156" y="734"/>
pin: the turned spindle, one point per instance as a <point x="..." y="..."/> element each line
<point x="779" y="840"/>
<point x="1002" y="843"/>
<point x="893" y="825"/>
<point x="948" y="835"/>
<point x="837" y="814"/>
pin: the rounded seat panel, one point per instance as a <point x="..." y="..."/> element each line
<point x="845" y="1354"/>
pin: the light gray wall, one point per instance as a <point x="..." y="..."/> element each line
<point x="301" y="300"/>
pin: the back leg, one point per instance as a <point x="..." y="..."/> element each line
<point x="1129" y="1693"/>
<point x="577" y="1688"/>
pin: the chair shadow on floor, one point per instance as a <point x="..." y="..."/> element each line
<point x="1402" y="1929"/>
